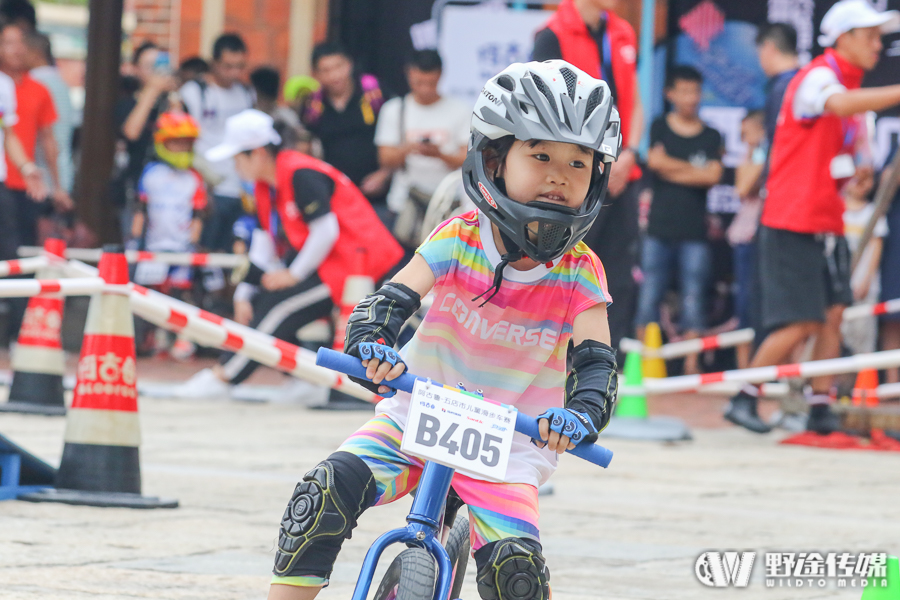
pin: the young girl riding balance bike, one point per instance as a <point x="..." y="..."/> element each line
<point x="515" y="293"/>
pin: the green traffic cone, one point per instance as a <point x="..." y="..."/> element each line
<point x="633" y="404"/>
<point x="891" y="591"/>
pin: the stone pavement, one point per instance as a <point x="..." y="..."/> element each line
<point x="632" y="531"/>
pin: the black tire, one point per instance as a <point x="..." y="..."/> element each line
<point x="458" y="545"/>
<point x="412" y="575"/>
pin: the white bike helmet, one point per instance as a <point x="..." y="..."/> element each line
<point x="550" y="101"/>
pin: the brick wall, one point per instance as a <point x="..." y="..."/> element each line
<point x="155" y="22"/>
<point x="264" y="25"/>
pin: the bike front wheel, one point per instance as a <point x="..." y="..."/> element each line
<point x="457" y="546"/>
<point x="411" y="576"/>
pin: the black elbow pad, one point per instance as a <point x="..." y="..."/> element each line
<point x="593" y="383"/>
<point x="380" y="316"/>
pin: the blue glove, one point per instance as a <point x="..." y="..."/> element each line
<point x="368" y="350"/>
<point x="574" y="425"/>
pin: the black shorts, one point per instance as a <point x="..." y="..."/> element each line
<point x="801" y="276"/>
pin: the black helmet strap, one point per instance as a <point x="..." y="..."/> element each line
<point x="513" y="253"/>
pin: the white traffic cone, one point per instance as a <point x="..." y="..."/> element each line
<point x="100" y="465"/>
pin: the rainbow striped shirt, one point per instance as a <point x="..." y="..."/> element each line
<point x="514" y="347"/>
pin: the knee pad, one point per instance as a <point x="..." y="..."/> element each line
<point x="321" y="510"/>
<point x="514" y="570"/>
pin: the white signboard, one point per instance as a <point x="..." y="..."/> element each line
<point x="459" y="430"/>
<point x="477" y="42"/>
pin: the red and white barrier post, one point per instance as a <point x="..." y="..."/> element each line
<point x="728" y="339"/>
<point x="38" y="360"/>
<point x="186" y="259"/>
<point x="28" y="288"/>
<point x="211" y="330"/>
<point x="872" y="310"/>
<point x="24" y="266"/>
<point x="834" y="366"/>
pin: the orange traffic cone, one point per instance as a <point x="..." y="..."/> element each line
<point x="38" y="360"/>
<point x="100" y="465"/>
<point x="865" y="392"/>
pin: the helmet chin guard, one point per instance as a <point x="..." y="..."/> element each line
<point x="542" y="230"/>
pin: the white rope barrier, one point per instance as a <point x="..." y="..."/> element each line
<point x="26" y="288"/>
<point x="694" y="346"/>
<point x="834" y="366"/>
<point x="742" y="336"/>
<point x="24" y="266"/>
<point x="212" y="330"/>
<point x="259" y="347"/>
<point x="872" y="310"/>
<point x="192" y="259"/>
<point x="769" y="390"/>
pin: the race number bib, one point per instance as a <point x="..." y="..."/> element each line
<point x="460" y="430"/>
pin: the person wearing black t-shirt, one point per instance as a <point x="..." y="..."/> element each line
<point x="135" y="116"/>
<point x="342" y="114"/>
<point x="685" y="161"/>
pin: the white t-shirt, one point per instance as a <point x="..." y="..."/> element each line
<point x="172" y="196"/>
<point x="817" y="87"/>
<point x="211" y="107"/>
<point x="8" y="116"/>
<point x="445" y="123"/>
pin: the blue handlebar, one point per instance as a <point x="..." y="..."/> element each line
<point x="350" y="365"/>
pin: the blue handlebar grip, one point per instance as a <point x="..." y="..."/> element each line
<point x="350" y="365"/>
<point x="592" y="453"/>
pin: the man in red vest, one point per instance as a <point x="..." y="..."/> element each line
<point x="803" y="257"/>
<point x="316" y="228"/>
<point x="591" y="36"/>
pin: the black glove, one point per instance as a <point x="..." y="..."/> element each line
<point x="377" y="320"/>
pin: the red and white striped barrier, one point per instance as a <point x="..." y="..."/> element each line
<point x="743" y="336"/>
<point x="769" y="390"/>
<point x="24" y="266"/>
<point x="872" y="310"/>
<point x="190" y="259"/>
<point x="694" y="346"/>
<point x="211" y="330"/>
<point x="834" y="366"/>
<point x="26" y="288"/>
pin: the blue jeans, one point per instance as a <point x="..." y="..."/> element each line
<point x="744" y="273"/>
<point x="659" y="262"/>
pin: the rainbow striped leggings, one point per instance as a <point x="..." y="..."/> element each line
<point x="496" y="510"/>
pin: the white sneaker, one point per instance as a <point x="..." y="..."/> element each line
<point x="182" y="349"/>
<point x="204" y="384"/>
<point x="297" y="391"/>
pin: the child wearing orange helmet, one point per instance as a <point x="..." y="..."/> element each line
<point x="172" y="201"/>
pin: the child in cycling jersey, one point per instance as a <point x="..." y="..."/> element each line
<point x="516" y="292"/>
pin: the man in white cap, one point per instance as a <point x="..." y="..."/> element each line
<point x="315" y="229"/>
<point x="803" y="257"/>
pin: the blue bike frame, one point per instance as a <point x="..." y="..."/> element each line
<point x="425" y="517"/>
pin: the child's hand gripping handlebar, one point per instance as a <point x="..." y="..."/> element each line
<point x="350" y="365"/>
